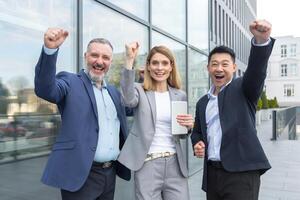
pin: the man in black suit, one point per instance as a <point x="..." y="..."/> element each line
<point x="224" y="131"/>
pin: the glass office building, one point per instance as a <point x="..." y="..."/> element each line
<point x="229" y="26"/>
<point x="28" y="124"/>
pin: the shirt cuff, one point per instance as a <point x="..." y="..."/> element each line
<point x="49" y="51"/>
<point x="260" y="45"/>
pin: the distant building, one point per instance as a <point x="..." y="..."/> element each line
<point x="26" y="102"/>
<point x="283" y="80"/>
<point x="230" y="21"/>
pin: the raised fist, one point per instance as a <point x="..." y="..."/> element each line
<point x="261" y="30"/>
<point x="54" y="37"/>
<point x="131" y="53"/>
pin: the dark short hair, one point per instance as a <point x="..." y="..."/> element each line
<point x="222" y="49"/>
<point x="101" y="41"/>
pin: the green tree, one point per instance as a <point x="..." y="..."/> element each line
<point x="259" y="104"/>
<point x="270" y="103"/>
<point x="264" y="100"/>
<point x="4" y="93"/>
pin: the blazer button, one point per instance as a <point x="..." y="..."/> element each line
<point x="93" y="148"/>
<point x="97" y="130"/>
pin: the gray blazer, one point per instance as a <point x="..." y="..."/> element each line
<point x="136" y="147"/>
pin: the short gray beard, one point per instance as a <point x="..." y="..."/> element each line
<point x="97" y="79"/>
<point x="94" y="78"/>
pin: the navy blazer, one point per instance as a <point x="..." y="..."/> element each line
<point x="240" y="147"/>
<point x="74" y="150"/>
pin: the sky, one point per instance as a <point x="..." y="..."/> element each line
<point x="284" y="15"/>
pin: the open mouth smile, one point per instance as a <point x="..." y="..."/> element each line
<point x="159" y="74"/>
<point x="219" y="77"/>
<point x="98" y="68"/>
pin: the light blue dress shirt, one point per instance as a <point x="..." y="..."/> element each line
<point x="214" y="131"/>
<point x="109" y="126"/>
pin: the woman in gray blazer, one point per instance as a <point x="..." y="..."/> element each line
<point x="151" y="151"/>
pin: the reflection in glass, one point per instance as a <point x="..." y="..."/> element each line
<point x="21" y="135"/>
<point x="169" y="15"/>
<point x="25" y="121"/>
<point x="198" y="86"/>
<point x="139" y="8"/>
<point x="99" y="21"/>
<point x="198" y="24"/>
<point x="178" y="50"/>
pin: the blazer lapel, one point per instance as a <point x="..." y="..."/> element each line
<point x="151" y="99"/>
<point x="202" y="112"/>
<point x="173" y="94"/>
<point x="220" y="100"/>
<point x="89" y="88"/>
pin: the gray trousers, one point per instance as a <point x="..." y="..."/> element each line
<point x="161" y="179"/>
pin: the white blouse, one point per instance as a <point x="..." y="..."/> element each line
<point x="163" y="139"/>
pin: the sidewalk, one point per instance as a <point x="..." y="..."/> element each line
<point x="282" y="181"/>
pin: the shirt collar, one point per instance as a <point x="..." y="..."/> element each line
<point x="104" y="85"/>
<point x="210" y="93"/>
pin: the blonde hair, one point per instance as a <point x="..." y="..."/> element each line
<point x="174" y="78"/>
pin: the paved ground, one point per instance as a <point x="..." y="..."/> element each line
<point x="20" y="180"/>
<point x="282" y="182"/>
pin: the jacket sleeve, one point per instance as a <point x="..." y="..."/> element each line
<point x="47" y="85"/>
<point x="130" y="96"/>
<point x="256" y="72"/>
<point x="196" y="132"/>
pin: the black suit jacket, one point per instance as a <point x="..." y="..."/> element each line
<point x="240" y="147"/>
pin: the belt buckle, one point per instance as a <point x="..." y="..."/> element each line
<point x="166" y="154"/>
<point x="107" y="164"/>
<point x="152" y="156"/>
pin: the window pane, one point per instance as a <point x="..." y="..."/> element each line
<point x="198" y="78"/>
<point x="198" y="24"/>
<point x="293" y="50"/>
<point x="283" y="51"/>
<point x="178" y="50"/>
<point x="139" y="8"/>
<point x="198" y="86"/>
<point x="24" y="116"/>
<point x="172" y="22"/>
<point x="118" y="30"/>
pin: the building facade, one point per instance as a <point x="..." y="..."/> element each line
<point x="230" y="21"/>
<point x="283" y="80"/>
